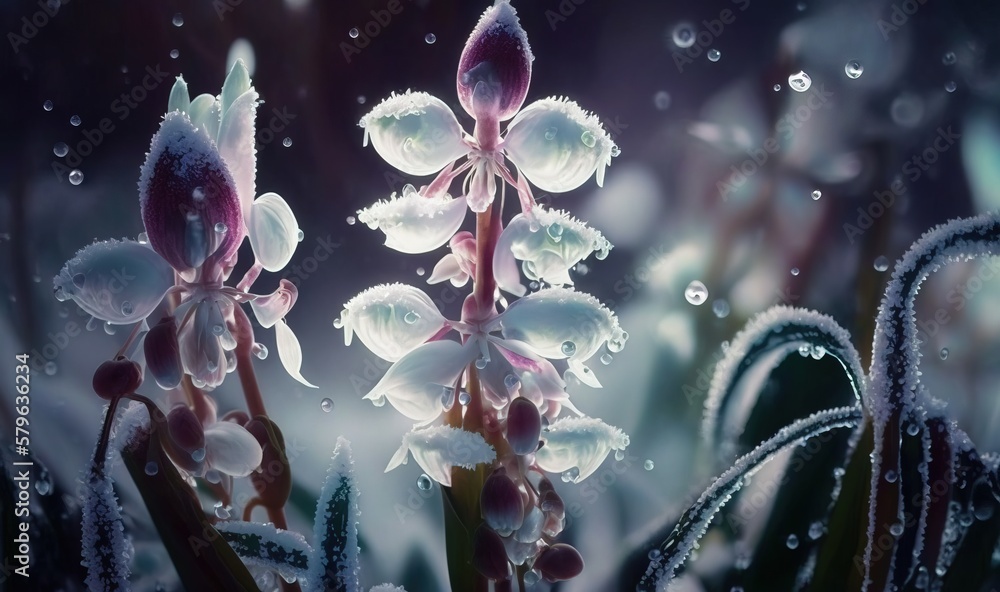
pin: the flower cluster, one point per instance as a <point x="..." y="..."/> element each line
<point x="505" y="375"/>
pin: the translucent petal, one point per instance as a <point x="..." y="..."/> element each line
<point x="269" y="309"/>
<point x="179" y="99"/>
<point x="578" y="442"/>
<point x="119" y="282"/>
<point x="202" y="353"/>
<point x="273" y="231"/>
<point x="290" y="352"/>
<point x="559" y="323"/>
<point x="421" y="382"/>
<point x="460" y="264"/>
<point x="446" y="269"/>
<point x="237" y="145"/>
<point x="415" y="132"/>
<point x="440" y="448"/>
<point x="237" y="82"/>
<point x="206" y="113"/>
<point x="391" y="319"/>
<point x="230" y="449"/>
<point x="558" y="145"/>
<point x="413" y="223"/>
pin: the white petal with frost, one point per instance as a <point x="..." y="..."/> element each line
<point x="391" y="319"/>
<point x="413" y="223"/>
<point x="558" y="145"/>
<point x="578" y="442"/>
<point x="237" y="83"/>
<point x="440" y="448"/>
<point x="415" y="132"/>
<point x="231" y="449"/>
<point x="206" y="114"/>
<point x="120" y="282"/>
<point x="237" y="145"/>
<point x="179" y="99"/>
<point x="273" y="231"/>
<point x="290" y="352"/>
<point x="424" y="380"/>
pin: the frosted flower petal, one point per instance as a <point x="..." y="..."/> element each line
<point x="238" y="144"/>
<point x="558" y="145"/>
<point x="578" y="442"/>
<point x="231" y="449"/>
<point x="119" y="282"/>
<point x="440" y="448"/>
<point x="391" y="319"/>
<point x="206" y="114"/>
<point x="273" y="231"/>
<point x="420" y="384"/>
<point x="497" y="56"/>
<point x="413" y="223"/>
<point x="415" y="132"/>
<point x="179" y="99"/>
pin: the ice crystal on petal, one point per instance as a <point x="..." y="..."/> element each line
<point x="558" y="145"/>
<point x="119" y="282"/>
<point x="440" y="448"/>
<point x="418" y="384"/>
<point x="415" y="132"/>
<point x="413" y="223"/>
<point x="578" y="442"/>
<point x="391" y="319"/>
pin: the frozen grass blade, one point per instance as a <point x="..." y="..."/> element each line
<point x="265" y="546"/>
<point x="334" y="565"/>
<point x="695" y="521"/>
<point x="105" y="550"/>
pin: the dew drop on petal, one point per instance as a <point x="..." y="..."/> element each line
<point x="411" y="317"/>
<point x="683" y="35"/>
<point x="481" y="363"/>
<point x="60" y="149"/>
<point x="853" y="69"/>
<point x="326" y="405"/>
<point x="260" y="350"/>
<point x="720" y="308"/>
<point x="816" y="194"/>
<point x="800" y="81"/>
<point x="912" y="429"/>
<point x="300" y="235"/>
<point x="75" y="121"/>
<point x="430" y="38"/>
<point x="152" y="468"/>
<point x="661" y="100"/>
<point x="792" y="542"/>
<point x="944" y="353"/>
<point x="568" y="348"/>
<point x="76" y="176"/>
<point x="648" y="465"/>
<point x="891" y="476"/>
<point x="221" y="511"/>
<point x="511" y="382"/>
<point x="47" y="105"/>
<point x="949" y="58"/>
<point x="198" y="455"/>
<point x="881" y="263"/>
<point x="43" y="486"/>
<point x="424" y="482"/>
<point x="220" y="227"/>
<point x="588" y="139"/>
<point x="896" y="529"/>
<point x="714" y="55"/>
<point x="178" y="20"/>
<point x="696" y="293"/>
<point x="464" y="398"/>
<point x="619" y="455"/>
<point x="354" y="33"/>
<point x="815" y="530"/>
<point x="110" y="328"/>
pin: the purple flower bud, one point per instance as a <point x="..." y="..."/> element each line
<point x="489" y="556"/>
<point x="559" y="562"/>
<point x="501" y="503"/>
<point x="185" y="429"/>
<point x="163" y="357"/>
<point x="189" y="203"/>
<point x="118" y="377"/>
<point x="495" y="68"/>
<point x="524" y="426"/>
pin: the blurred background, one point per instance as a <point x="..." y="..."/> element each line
<point x="729" y="175"/>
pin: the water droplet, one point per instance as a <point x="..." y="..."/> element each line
<point x="607" y="359"/>
<point x="152" y="468"/>
<point x="287" y="142"/>
<point x="60" y="149"/>
<point x="816" y="194"/>
<point x="571" y="475"/>
<point x="944" y="353"/>
<point x="815" y="530"/>
<point x="220" y="227"/>
<point x="300" y="235"/>
<point x="75" y="121"/>
<point x="174" y="54"/>
<point x="47" y="105"/>
<point x="792" y="542"/>
<point x="260" y="350"/>
<point x="411" y="317"/>
<point x="76" y="176"/>
<point x="714" y="55"/>
<point x="110" y="329"/>
<point x="421" y="271"/>
<point x="178" y="20"/>
<point x="654" y="554"/>
<point x="198" y="194"/>
<point x="912" y="429"/>
<point x="430" y="38"/>
<point x="351" y="220"/>
<point x="896" y="529"/>
<point x="221" y="511"/>
<point x="619" y="455"/>
<point x="696" y="293"/>
<point x="881" y="263"/>
<point x="683" y="35"/>
<point x="50" y="368"/>
<point x="354" y="33"/>
<point x="800" y="81"/>
<point x="950" y="86"/>
<point x="213" y="476"/>
<point x="720" y="308"/>
<point x="424" y="482"/>
<point x="568" y="348"/>
<point x="615" y="152"/>
<point x="648" y="465"/>
<point x="776" y="87"/>
<point x="853" y="69"/>
<point x="511" y="382"/>
<point x="949" y="58"/>
<point x="43" y="486"/>
<point x="588" y="139"/>
<point x="555" y="232"/>
<point x="795" y="271"/>
<point x="891" y="476"/>
<point x="198" y="455"/>
<point x="481" y="363"/>
<point x="662" y="100"/>
<point x="379" y="402"/>
<point x="361" y="99"/>
<point x="464" y="398"/>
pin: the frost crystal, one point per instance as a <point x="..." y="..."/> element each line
<point x="265" y="546"/>
<point x="440" y="448"/>
<point x="334" y="565"/>
<point x="580" y="443"/>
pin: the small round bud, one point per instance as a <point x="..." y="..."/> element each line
<point x="117" y="377"/>
<point x="559" y="562"/>
<point x="489" y="556"/>
<point x="524" y="426"/>
<point x="501" y="504"/>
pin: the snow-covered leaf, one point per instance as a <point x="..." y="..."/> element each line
<point x="335" y="565"/>
<point x="263" y="545"/>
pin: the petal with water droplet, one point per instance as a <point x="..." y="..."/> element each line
<point x="413" y="223"/>
<point x="273" y="231"/>
<point x="391" y="319"/>
<point x="416" y="384"/>
<point x="269" y="309"/>
<point x="206" y="114"/>
<point x="440" y="448"/>
<point x="578" y="442"/>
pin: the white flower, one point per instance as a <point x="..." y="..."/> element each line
<point x="440" y="448"/>
<point x="413" y="223"/>
<point x="578" y="445"/>
<point x="231" y="449"/>
<point x="391" y="319"/>
<point x="548" y="247"/>
<point x="560" y="323"/>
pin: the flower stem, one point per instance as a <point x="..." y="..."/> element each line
<point x="101" y="452"/>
